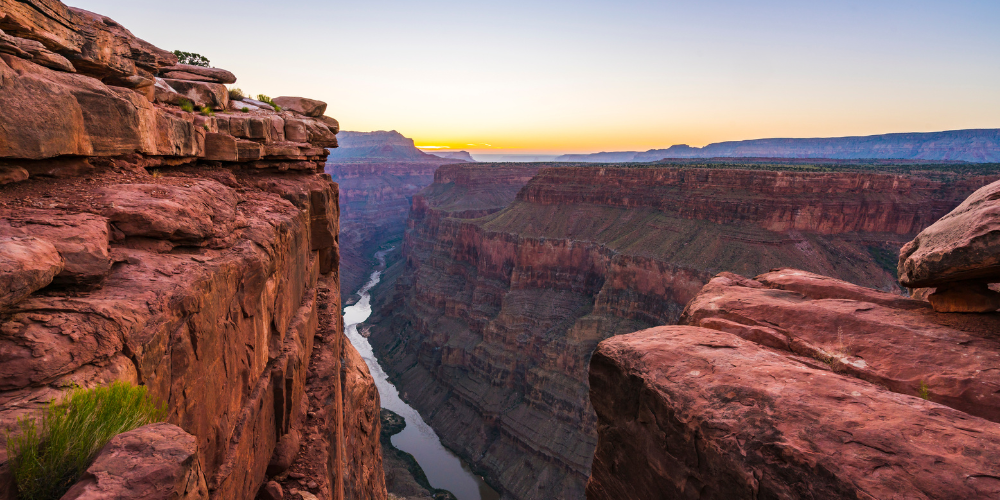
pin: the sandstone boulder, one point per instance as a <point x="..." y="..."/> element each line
<point x="81" y="240"/>
<point x="214" y="95"/>
<point x="96" y="45"/>
<point x="153" y="462"/>
<point x="689" y="412"/>
<point x="9" y="175"/>
<point x="331" y="123"/>
<point x="26" y="264"/>
<point x="196" y="213"/>
<point x="301" y="105"/>
<point x="284" y="453"/>
<point x="215" y="75"/>
<point x="963" y="245"/>
<point x="899" y="343"/>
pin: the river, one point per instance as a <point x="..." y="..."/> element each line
<point x="444" y="470"/>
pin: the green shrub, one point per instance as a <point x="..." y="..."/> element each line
<point x="207" y="111"/>
<point x="264" y="98"/>
<point x="236" y="94"/>
<point x="245" y="109"/>
<point x="46" y="461"/>
<point x="924" y="391"/>
<point x="191" y="58"/>
<point x="187" y="105"/>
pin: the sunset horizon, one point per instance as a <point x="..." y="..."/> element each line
<point x="600" y="76"/>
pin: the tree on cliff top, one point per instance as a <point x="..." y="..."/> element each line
<point x="191" y="58"/>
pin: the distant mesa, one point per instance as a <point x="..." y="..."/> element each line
<point x="974" y="145"/>
<point x="453" y="155"/>
<point x="603" y="157"/>
<point x="377" y="146"/>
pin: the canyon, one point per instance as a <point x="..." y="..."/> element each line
<point x="511" y="274"/>
<point x="378" y="174"/>
<point x="194" y="253"/>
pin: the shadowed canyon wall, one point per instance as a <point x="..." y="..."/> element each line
<point x="193" y="253"/>
<point x="378" y="174"/>
<point x="512" y="275"/>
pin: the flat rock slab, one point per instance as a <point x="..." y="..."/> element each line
<point x="688" y="412"/>
<point x="153" y="462"/>
<point x="899" y="343"/>
<point x="192" y="213"/>
<point x="26" y="264"/>
<point x="206" y="74"/>
<point x="302" y="105"/>
<point x="81" y="239"/>
<point x="962" y="245"/>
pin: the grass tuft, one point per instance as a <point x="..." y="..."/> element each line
<point x="264" y="98"/>
<point x="924" y="391"/>
<point x="187" y="105"/>
<point x="236" y="94"/>
<point x="48" y="458"/>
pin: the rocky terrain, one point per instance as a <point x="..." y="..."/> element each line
<point x="511" y="275"/>
<point x="378" y="174"/>
<point x="195" y="253"/>
<point x="797" y="385"/>
<point x="979" y="145"/>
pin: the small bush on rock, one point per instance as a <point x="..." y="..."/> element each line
<point x="191" y="58"/>
<point x="47" y="460"/>
<point x="236" y="94"/>
<point x="264" y="98"/>
<point x="187" y="106"/>
<point x="245" y="109"/>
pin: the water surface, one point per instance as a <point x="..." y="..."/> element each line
<point x="443" y="469"/>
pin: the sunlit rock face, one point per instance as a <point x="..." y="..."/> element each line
<point x="195" y="253"/>
<point x="793" y="384"/>
<point x="511" y="276"/>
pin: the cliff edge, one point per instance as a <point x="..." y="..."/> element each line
<point x="193" y="253"/>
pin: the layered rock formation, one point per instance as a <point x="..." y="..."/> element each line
<point x="798" y="385"/>
<point x="694" y="413"/>
<point x="193" y="253"/>
<point x="513" y="274"/>
<point x="378" y="174"/>
<point x="977" y="145"/>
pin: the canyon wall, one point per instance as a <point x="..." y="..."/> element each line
<point x="193" y="253"/>
<point x="378" y="174"/>
<point x="797" y="385"/>
<point x="513" y="274"/>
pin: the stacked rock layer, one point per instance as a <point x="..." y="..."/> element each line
<point x="796" y="385"/>
<point x="195" y="253"/>
<point x="512" y="274"/>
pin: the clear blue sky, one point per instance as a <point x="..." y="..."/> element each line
<point x="582" y="76"/>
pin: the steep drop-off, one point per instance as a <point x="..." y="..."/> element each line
<point x="193" y="253"/>
<point x="500" y="304"/>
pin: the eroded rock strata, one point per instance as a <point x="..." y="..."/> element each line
<point x="513" y="274"/>
<point x="194" y="253"/>
<point x="689" y="412"/>
<point x="796" y="385"/>
<point x="378" y="174"/>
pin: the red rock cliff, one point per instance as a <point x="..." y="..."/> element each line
<point x="196" y="254"/>
<point x="498" y="310"/>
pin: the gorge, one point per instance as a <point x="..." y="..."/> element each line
<point x="512" y="274"/>
<point x="338" y="315"/>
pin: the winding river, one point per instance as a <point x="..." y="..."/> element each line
<point x="443" y="469"/>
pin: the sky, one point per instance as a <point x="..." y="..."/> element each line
<point x="586" y="76"/>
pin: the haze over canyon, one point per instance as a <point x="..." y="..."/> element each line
<point x="208" y="293"/>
